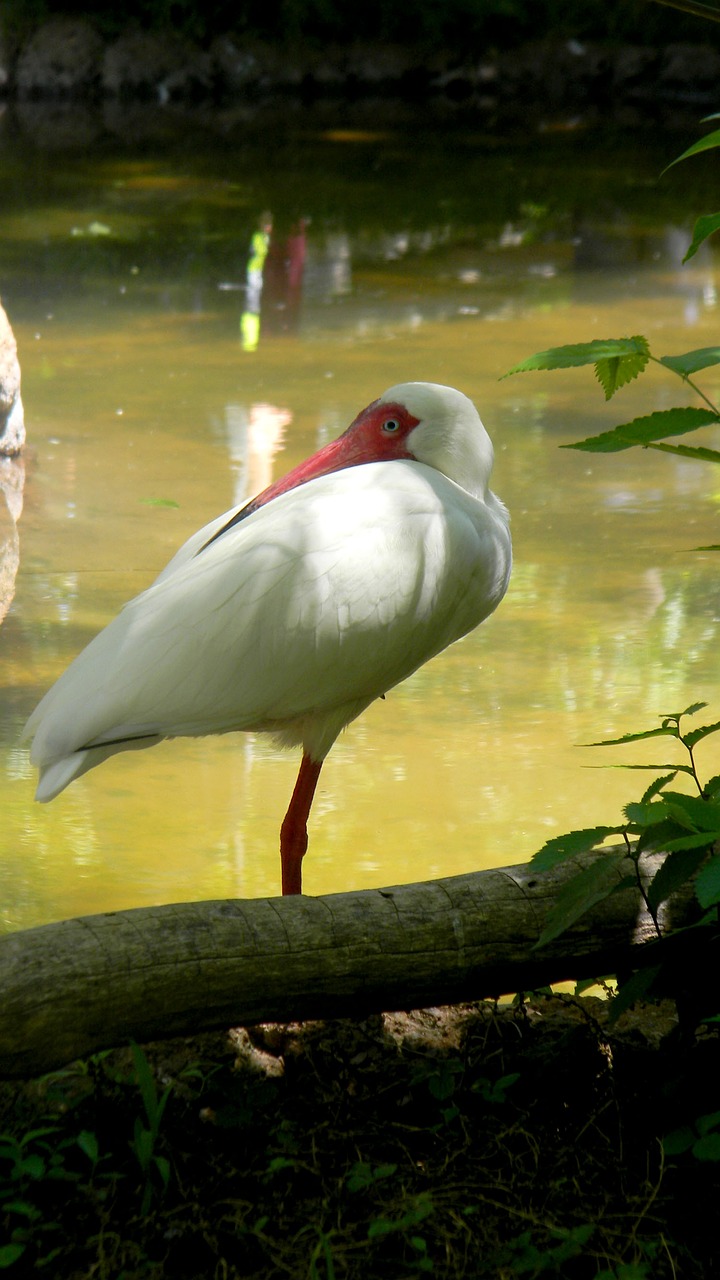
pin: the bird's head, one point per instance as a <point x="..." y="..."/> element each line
<point x="416" y="421"/>
<point x="447" y="432"/>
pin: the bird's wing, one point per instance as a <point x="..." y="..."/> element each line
<point x="301" y="614"/>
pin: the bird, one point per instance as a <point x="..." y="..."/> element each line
<point x="290" y="614"/>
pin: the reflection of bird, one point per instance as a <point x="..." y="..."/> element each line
<point x="290" y="615"/>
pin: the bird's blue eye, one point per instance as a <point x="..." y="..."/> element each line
<point x="390" y="425"/>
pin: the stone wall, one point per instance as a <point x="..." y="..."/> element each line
<point x="67" y="58"/>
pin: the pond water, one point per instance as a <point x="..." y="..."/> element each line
<point x="438" y="254"/>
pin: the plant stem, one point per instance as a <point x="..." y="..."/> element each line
<point x="698" y="783"/>
<point x="684" y="376"/>
<point x="634" y="858"/>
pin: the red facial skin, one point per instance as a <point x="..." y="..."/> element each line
<point x="378" y="434"/>
<point x="369" y="438"/>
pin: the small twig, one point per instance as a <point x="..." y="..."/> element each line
<point x="651" y="1198"/>
<point x="694" y="7"/>
<point x="670" y="1259"/>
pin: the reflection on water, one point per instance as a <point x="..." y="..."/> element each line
<point x="146" y="418"/>
<point x="255" y="435"/>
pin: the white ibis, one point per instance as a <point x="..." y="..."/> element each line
<point x="291" y="614"/>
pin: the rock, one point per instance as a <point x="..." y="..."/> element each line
<point x="388" y="65"/>
<point x="8" y="54"/>
<point x="12" y="421"/>
<point x="554" y="72"/>
<point x="67" y="59"/>
<point x="237" y="66"/>
<point x="689" y="72"/>
<point x="12" y="480"/>
<point x="147" y="66"/>
<point x="62" y="58"/>
<point x="635" y="69"/>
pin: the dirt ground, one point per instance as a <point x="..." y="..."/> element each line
<point x="473" y="1141"/>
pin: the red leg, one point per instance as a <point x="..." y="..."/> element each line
<point x="293" y="832"/>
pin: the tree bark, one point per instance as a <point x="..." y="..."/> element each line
<point x="72" y="988"/>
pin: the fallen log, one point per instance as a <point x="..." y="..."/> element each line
<point x="72" y="988"/>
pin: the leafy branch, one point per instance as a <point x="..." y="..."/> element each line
<point x="684" y="827"/>
<point x="707" y="223"/>
<point x="618" y="361"/>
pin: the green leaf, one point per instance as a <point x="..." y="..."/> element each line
<point x="163" y="1167"/>
<point x="643" y="431"/>
<point x="639" y="768"/>
<point x="693" y="840"/>
<point x="582" y="353"/>
<point x="34" y="1166"/>
<point x="280" y="1163"/>
<point x="585" y="890"/>
<point x="685" y="451"/>
<point x="705" y="226"/>
<point x="657" y="785"/>
<point x="693" y="811"/>
<point x="678" y="1141"/>
<point x="692" y="361"/>
<point x="633" y="989"/>
<point x="697" y="734"/>
<point x="88" y="1144"/>
<point x="615" y="372"/>
<point x="23" y="1209"/>
<point x="359" y="1177"/>
<point x="645" y="813"/>
<point x="560" y="848"/>
<point x="665" y="731"/>
<point x="703" y="144"/>
<point x="9" y="1253"/>
<point x="707" y="1147"/>
<point x="707" y="885"/>
<point x="705" y="1124"/>
<point x="677" y="868"/>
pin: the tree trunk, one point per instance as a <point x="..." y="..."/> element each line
<point x="72" y="988"/>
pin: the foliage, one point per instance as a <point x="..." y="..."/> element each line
<point x="504" y="22"/>
<point x="348" y="1164"/>
<point x="145" y="1137"/>
<point x="685" y="827"/>
<point x="703" y="1139"/>
<point x="35" y="1161"/>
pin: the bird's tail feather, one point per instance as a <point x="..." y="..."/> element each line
<point x="57" y="774"/>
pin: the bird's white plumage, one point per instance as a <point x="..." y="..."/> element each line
<point x="297" y="617"/>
